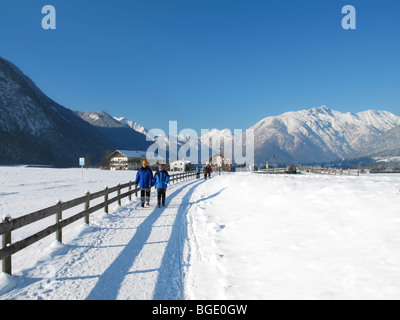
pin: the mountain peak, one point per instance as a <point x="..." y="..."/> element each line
<point x="322" y="109"/>
<point x="319" y="134"/>
<point x="133" y="125"/>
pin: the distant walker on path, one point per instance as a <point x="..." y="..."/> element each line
<point x="205" y="172"/>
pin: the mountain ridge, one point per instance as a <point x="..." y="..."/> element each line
<point x="318" y="134"/>
<point x="36" y="129"/>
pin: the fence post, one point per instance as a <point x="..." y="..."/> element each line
<point x="130" y="189"/>
<point x="6" y="262"/>
<point x="106" y="201"/>
<point x="119" y="194"/>
<point x="58" y="220"/>
<point x="87" y="206"/>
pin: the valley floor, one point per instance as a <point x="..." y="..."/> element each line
<point x="236" y="236"/>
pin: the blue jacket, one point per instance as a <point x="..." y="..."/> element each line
<point x="197" y="169"/>
<point x="161" y="178"/>
<point x="144" y="178"/>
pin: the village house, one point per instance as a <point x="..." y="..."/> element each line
<point x="126" y="160"/>
<point x="179" y="165"/>
<point x="219" y="158"/>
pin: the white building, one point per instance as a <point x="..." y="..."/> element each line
<point x="126" y="160"/>
<point x="179" y="165"/>
<point x="218" y="159"/>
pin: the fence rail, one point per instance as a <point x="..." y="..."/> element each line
<point x="8" y="224"/>
<point x="270" y="171"/>
<point x="331" y="171"/>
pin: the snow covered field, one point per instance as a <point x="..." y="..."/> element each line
<point x="237" y="236"/>
<point x="295" y="237"/>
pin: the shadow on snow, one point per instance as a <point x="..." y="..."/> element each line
<point x="170" y="281"/>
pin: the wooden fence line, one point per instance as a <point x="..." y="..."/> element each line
<point x="270" y="171"/>
<point x="8" y="224"/>
<point x="331" y="171"/>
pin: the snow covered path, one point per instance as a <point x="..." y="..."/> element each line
<point x="133" y="253"/>
<point x="236" y="236"/>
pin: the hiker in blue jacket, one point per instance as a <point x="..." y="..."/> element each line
<point x="161" y="179"/>
<point x="198" y="172"/>
<point x="144" y="178"/>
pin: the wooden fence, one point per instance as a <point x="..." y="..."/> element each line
<point x="8" y="225"/>
<point x="331" y="171"/>
<point x="271" y="171"/>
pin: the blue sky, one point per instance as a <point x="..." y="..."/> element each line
<point x="207" y="63"/>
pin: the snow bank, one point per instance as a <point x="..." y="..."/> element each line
<point x="25" y="190"/>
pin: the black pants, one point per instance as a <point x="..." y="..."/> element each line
<point x="161" y="196"/>
<point x="145" y="195"/>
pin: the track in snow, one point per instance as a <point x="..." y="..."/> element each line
<point x="133" y="253"/>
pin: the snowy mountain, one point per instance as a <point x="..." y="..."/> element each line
<point x="133" y="125"/>
<point x="216" y="135"/>
<point x="180" y="138"/>
<point x="119" y="133"/>
<point x="36" y="129"/>
<point x="387" y="145"/>
<point x="319" y="134"/>
<point x="315" y="135"/>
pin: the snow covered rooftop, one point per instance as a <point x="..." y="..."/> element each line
<point x="130" y="153"/>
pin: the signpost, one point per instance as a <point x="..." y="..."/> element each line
<point x="82" y="164"/>
<point x="273" y="165"/>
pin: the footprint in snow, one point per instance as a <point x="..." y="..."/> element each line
<point x="221" y="227"/>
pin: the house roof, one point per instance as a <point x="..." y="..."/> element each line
<point x="131" y="154"/>
<point x="138" y="155"/>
